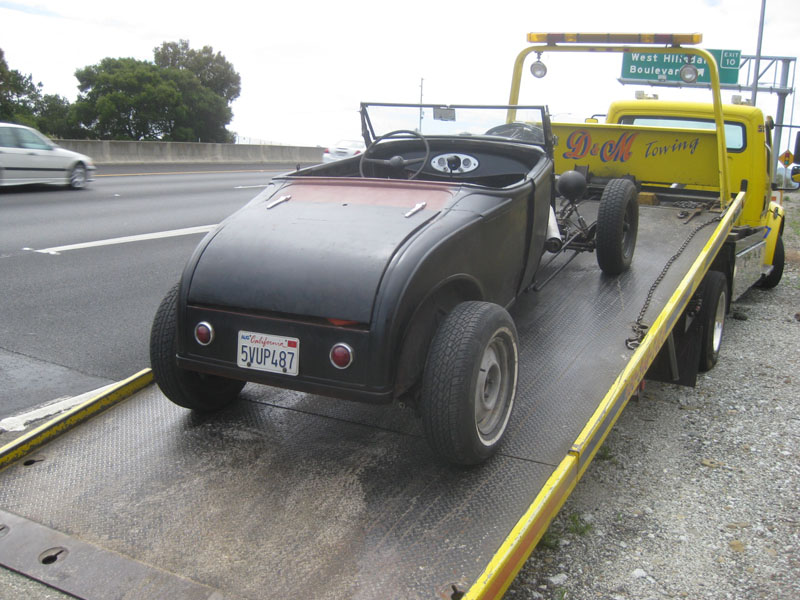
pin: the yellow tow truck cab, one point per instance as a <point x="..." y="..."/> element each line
<point x="748" y="137"/>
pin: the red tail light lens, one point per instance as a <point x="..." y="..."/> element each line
<point x="341" y="356"/>
<point x="203" y="333"/>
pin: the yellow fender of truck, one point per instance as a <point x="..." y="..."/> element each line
<point x="775" y="216"/>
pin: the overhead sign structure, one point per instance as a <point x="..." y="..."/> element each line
<point x="651" y="66"/>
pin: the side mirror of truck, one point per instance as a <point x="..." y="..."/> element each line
<point x="796" y="145"/>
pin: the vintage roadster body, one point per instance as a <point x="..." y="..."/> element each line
<point x="381" y="277"/>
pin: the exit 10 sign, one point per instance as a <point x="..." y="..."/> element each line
<point x="652" y="66"/>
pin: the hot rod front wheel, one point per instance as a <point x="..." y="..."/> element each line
<point x="470" y="382"/>
<point x="189" y="389"/>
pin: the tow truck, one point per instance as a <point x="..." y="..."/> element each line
<point x="286" y="494"/>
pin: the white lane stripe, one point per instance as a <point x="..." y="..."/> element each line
<point x="127" y="239"/>
<point x="57" y="406"/>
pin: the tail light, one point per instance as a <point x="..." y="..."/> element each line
<point x="341" y="356"/>
<point x="203" y="333"/>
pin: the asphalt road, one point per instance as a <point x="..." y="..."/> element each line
<point x="74" y="319"/>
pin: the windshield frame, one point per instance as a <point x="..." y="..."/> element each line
<point x="369" y="135"/>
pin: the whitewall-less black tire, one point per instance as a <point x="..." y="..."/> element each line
<point x="470" y="382"/>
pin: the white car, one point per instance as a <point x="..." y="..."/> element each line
<point x="27" y="156"/>
<point x="343" y="149"/>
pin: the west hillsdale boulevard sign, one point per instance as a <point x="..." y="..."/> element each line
<point x="652" y="66"/>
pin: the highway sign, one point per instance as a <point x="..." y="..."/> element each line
<point x="651" y="66"/>
<point x="786" y="158"/>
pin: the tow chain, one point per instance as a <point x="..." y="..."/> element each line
<point x="639" y="328"/>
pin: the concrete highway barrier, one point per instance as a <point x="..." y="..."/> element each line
<point x="114" y="152"/>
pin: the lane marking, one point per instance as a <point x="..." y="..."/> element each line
<point x="56" y="250"/>
<point x="97" y="175"/>
<point x="247" y="187"/>
<point x="57" y="406"/>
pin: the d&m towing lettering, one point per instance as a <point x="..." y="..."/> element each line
<point x="579" y="144"/>
<point x="656" y="148"/>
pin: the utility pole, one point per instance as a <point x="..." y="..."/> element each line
<point x="421" y="113"/>
<point x="758" y="53"/>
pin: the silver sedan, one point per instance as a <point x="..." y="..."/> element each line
<point x="27" y="156"/>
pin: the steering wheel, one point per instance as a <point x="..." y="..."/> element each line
<point x="519" y="131"/>
<point x="396" y="162"/>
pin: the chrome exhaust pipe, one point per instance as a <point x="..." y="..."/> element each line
<point x="553" y="243"/>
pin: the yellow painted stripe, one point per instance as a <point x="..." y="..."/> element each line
<point x="44" y="433"/>
<point x="518" y="545"/>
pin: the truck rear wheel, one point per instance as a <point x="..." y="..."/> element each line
<point x="617" y="226"/>
<point x="188" y="389"/>
<point x="470" y="382"/>
<point x="712" y="313"/>
<point x="778" y="258"/>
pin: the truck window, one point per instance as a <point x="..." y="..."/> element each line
<point x="734" y="132"/>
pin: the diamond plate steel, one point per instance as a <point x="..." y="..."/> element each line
<point x="310" y="497"/>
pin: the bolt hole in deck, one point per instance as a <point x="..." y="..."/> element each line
<point x="53" y="555"/>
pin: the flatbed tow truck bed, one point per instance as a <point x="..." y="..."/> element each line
<point x="291" y="495"/>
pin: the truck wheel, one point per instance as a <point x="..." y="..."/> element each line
<point x="189" y="389"/>
<point x="617" y="225"/>
<point x="469" y="382"/>
<point x="770" y="281"/>
<point x="712" y="315"/>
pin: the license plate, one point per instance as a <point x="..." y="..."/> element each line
<point x="271" y="353"/>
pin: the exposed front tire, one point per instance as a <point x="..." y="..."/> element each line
<point x="712" y="315"/>
<point x="778" y="259"/>
<point x="189" y="389"/>
<point x="77" y="177"/>
<point x="470" y="382"/>
<point x="617" y="226"/>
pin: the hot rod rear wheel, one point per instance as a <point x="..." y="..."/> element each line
<point x="617" y="226"/>
<point x="712" y="315"/>
<point x="185" y="388"/>
<point x="470" y="381"/>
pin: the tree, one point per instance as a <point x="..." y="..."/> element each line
<point x="55" y="116"/>
<point x="125" y="98"/>
<point x="213" y="70"/>
<point x="18" y="95"/>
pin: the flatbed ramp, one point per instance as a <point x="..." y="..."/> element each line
<point x="288" y="495"/>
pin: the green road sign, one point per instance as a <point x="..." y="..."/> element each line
<point x="652" y="66"/>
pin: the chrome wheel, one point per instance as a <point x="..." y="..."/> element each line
<point x="492" y="397"/>
<point x="719" y="321"/>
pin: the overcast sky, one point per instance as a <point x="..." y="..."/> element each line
<point x="306" y="65"/>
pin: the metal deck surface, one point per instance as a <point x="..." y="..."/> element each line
<point x="292" y="495"/>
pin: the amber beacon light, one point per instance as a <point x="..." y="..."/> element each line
<point x="673" y="39"/>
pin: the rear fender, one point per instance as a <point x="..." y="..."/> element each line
<point x="423" y="325"/>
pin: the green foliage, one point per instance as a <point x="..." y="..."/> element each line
<point x="577" y="525"/>
<point x="213" y="70"/>
<point x="183" y="96"/>
<point x="18" y="95"/>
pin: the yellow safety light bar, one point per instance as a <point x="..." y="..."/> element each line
<point x="617" y="38"/>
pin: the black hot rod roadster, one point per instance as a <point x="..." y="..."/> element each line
<point x="387" y="276"/>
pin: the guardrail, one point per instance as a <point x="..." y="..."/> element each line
<point x="110" y="152"/>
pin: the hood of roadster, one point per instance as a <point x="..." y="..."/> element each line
<point x="315" y="248"/>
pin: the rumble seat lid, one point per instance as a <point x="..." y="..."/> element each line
<point x="320" y="253"/>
